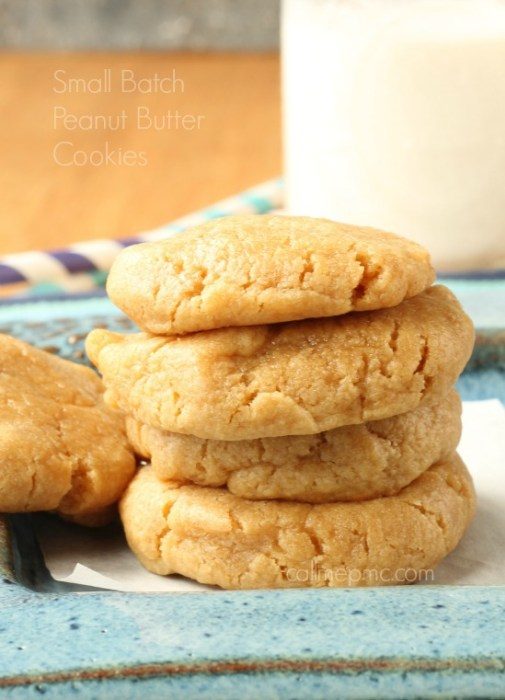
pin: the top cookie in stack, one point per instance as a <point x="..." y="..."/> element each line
<point x="250" y="270"/>
<point x="262" y="328"/>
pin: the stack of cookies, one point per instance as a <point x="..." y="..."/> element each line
<point x="293" y="389"/>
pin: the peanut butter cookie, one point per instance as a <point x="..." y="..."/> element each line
<point x="250" y="270"/>
<point x="294" y="378"/>
<point x="217" y="538"/>
<point x="61" y="447"/>
<point x="351" y="463"/>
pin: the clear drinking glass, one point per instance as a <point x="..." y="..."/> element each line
<point x="394" y="117"/>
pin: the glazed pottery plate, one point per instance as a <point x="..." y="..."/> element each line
<point x="64" y="640"/>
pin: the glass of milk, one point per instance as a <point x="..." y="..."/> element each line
<point x="394" y="117"/>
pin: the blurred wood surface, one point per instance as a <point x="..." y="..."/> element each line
<point x="47" y="205"/>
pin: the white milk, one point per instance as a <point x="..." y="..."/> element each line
<point x="394" y="117"/>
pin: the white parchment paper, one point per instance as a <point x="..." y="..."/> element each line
<point x="101" y="558"/>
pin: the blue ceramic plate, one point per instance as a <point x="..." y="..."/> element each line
<point x="418" y="641"/>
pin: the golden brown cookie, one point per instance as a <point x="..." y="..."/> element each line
<point x="351" y="463"/>
<point x="250" y="270"/>
<point x="61" y="447"/>
<point x="217" y="538"/>
<point x="288" y="379"/>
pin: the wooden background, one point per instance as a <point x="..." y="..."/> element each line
<point x="46" y="205"/>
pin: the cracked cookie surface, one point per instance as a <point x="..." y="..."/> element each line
<point x="250" y="270"/>
<point x="345" y="464"/>
<point x="295" y="378"/>
<point x="61" y="447"/>
<point x="217" y="538"/>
